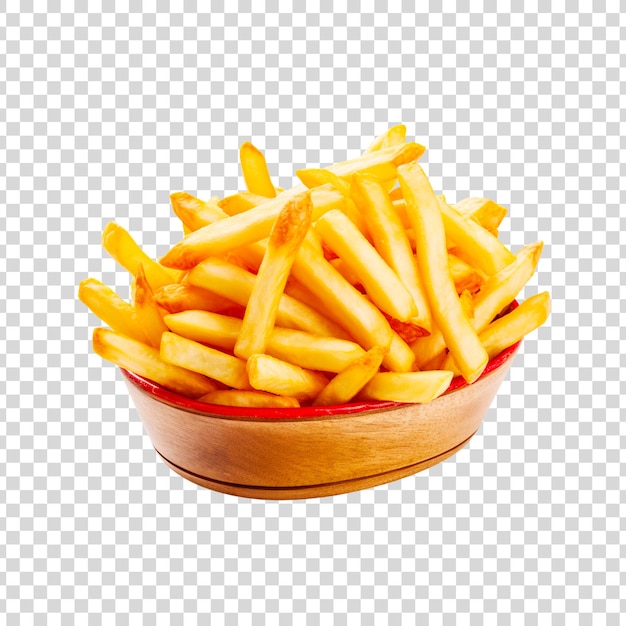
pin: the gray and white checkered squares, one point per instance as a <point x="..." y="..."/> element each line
<point x="105" y="110"/>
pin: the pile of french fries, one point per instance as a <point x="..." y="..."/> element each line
<point x="358" y="284"/>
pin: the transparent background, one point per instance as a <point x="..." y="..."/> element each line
<point x="106" y="108"/>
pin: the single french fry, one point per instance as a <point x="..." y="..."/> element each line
<point x="379" y="280"/>
<point x="507" y="330"/>
<point x="181" y="297"/>
<point x="317" y="176"/>
<point x="255" y="399"/>
<point x="196" y="357"/>
<point x="145" y="361"/>
<point x="255" y="171"/>
<point x="432" y="255"/>
<point x="294" y="346"/>
<point x="419" y="387"/>
<point x="287" y="234"/>
<point x="244" y="228"/>
<point x="111" y="309"/>
<point x="394" y="136"/>
<point x="148" y="314"/>
<point x="267" y="373"/>
<point x="497" y="292"/>
<point x="240" y="202"/>
<point x="118" y="242"/>
<point x="193" y="212"/>
<point x="486" y="212"/>
<point x="326" y="354"/>
<point x="214" y="329"/>
<point x="235" y="283"/>
<point x="464" y="276"/>
<point x="488" y="253"/>
<point x="349" y="381"/>
<point x="381" y="163"/>
<point x="390" y="239"/>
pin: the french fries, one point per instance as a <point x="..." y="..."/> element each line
<point x="507" y="330"/>
<point x="122" y="247"/>
<point x="425" y="216"/>
<point x="349" y="381"/>
<point x="195" y="357"/>
<point x="360" y="284"/>
<point x="193" y="212"/>
<point x="146" y="361"/>
<point x="390" y="240"/>
<point x="255" y="399"/>
<point x="396" y="135"/>
<point x="255" y="171"/>
<point x="267" y="373"/>
<point x="288" y="232"/>
<point x="381" y="283"/>
<point x="149" y="316"/>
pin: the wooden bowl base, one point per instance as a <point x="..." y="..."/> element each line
<point x="312" y="491"/>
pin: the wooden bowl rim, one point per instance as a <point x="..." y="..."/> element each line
<point x="166" y="396"/>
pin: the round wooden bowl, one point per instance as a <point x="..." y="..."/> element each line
<point x="312" y="451"/>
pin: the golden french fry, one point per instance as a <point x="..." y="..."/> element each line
<point x="510" y="328"/>
<point x="287" y="234"/>
<point x="382" y="163"/>
<point x="500" y="290"/>
<point x="316" y="177"/>
<point x="255" y="171"/>
<point x="294" y="346"/>
<point x="486" y="212"/>
<point x="380" y="282"/>
<point x="326" y="354"/>
<point x="432" y="255"/>
<point x="394" y="136"/>
<point x="148" y="314"/>
<point x="193" y="212"/>
<point x="255" y="399"/>
<point x="240" y="202"/>
<point x="390" y="239"/>
<point x="463" y="275"/>
<point x="145" y="361"/>
<point x="118" y="242"/>
<point x="196" y="357"/>
<point x="267" y="373"/>
<point x="488" y="253"/>
<point x="214" y="329"/>
<point x="181" y="297"/>
<point x="349" y="381"/>
<point x="111" y="309"/>
<point x="244" y="228"/>
<point x="507" y="330"/>
<point x="418" y="387"/>
<point x="497" y="292"/>
<point x="235" y="283"/>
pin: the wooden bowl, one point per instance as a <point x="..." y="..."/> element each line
<point x="313" y="451"/>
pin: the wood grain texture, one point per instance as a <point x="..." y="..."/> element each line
<point x="314" y="456"/>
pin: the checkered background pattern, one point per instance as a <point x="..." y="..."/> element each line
<point x="107" y="107"/>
